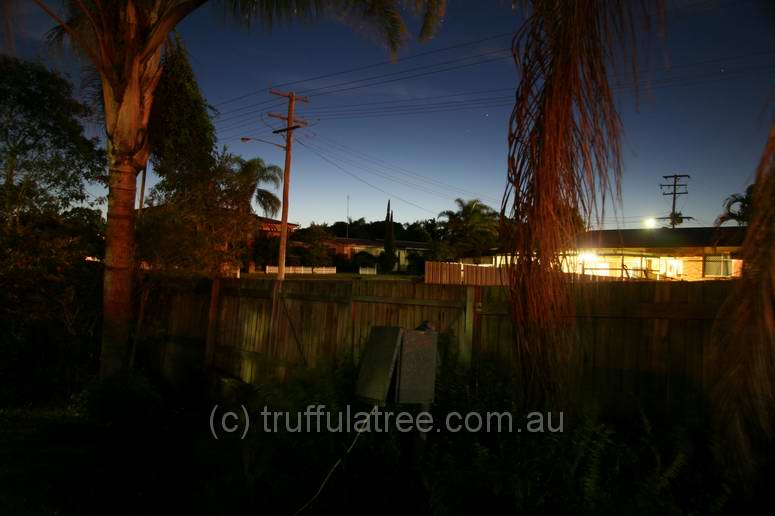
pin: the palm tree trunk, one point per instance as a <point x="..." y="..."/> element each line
<point x="127" y="107"/>
<point x="119" y="256"/>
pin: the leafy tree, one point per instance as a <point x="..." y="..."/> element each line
<point x="472" y="229"/>
<point x="49" y="292"/>
<point x="315" y="253"/>
<point x="203" y="217"/>
<point x="123" y="40"/>
<point x="359" y="228"/>
<point x="45" y="157"/>
<point x="181" y="135"/>
<point x="421" y="231"/>
<point x="738" y="208"/>
<point x="208" y="224"/>
<point x="265" y="250"/>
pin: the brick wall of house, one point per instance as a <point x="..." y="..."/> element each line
<point x="692" y="268"/>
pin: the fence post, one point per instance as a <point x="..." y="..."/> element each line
<point x="212" y="321"/>
<point x="466" y="343"/>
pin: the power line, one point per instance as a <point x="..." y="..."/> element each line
<point x="387" y="109"/>
<point x="322" y="92"/>
<point x="316" y="92"/>
<point x="369" y="66"/>
<point x="385" y="175"/>
<point x="412" y="110"/>
<point x="355" y="176"/>
<point x="273" y="103"/>
<point x="418" y="99"/>
<point x="403" y="171"/>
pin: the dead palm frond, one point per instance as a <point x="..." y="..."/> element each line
<point x="564" y="156"/>
<point x="744" y="334"/>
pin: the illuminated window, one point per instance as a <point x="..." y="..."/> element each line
<point x="717" y="265"/>
<point x="672" y="267"/>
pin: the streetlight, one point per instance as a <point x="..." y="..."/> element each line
<point x="246" y="139"/>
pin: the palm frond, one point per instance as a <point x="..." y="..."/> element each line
<point x="433" y="12"/>
<point x="564" y="156"/>
<point x="269" y="203"/>
<point x="380" y="16"/>
<point x="744" y="333"/>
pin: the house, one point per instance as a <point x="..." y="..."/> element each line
<point x="271" y="227"/>
<point x="688" y="254"/>
<point x="349" y="247"/>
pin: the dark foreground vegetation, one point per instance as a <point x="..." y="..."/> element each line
<point x="127" y="445"/>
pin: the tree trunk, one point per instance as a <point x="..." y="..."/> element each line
<point x="127" y="108"/>
<point x="119" y="257"/>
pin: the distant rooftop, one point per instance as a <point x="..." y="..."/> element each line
<point x="663" y="238"/>
<point x="267" y="220"/>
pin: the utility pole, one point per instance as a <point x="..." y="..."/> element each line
<point x="675" y="189"/>
<point x="348" y="216"/>
<point x="292" y="123"/>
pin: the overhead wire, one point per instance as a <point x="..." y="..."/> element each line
<point x="403" y="171"/>
<point x="426" y="188"/>
<point x="358" y="178"/>
<point x="368" y="66"/>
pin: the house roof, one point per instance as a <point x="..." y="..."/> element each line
<point x="267" y="220"/>
<point x="663" y="238"/>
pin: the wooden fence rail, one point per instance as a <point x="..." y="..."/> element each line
<point x="627" y="333"/>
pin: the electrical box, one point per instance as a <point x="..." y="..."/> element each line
<point x="416" y="376"/>
<point x="404" y="359"/>
<point x="378" y="363"/>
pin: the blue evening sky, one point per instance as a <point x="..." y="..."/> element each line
<point x="704" y="108"/>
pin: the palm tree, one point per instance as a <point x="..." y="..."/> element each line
<point x="737" y="207"/>
<point x="472" y="229"/>
<point x="122" y="40"/>
<point x="245" y="177"/>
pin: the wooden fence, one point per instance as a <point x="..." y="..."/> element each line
<point x="451" y="273"/>
<point x="632" y="337"/>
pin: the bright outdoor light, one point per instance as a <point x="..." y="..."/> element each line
<point x="588" y="257"/>
<point x="650" y="223"/>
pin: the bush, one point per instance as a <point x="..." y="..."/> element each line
<point x="127" y="401"/>
<point x="593" y="467"/>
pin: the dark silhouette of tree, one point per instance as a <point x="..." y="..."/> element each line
<point x="738" y="208"/>
<point x="45" y="157"/>
<point x="203" y="217"/>
<point x="388" y="258"/>
<point x="472" y="229"/>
